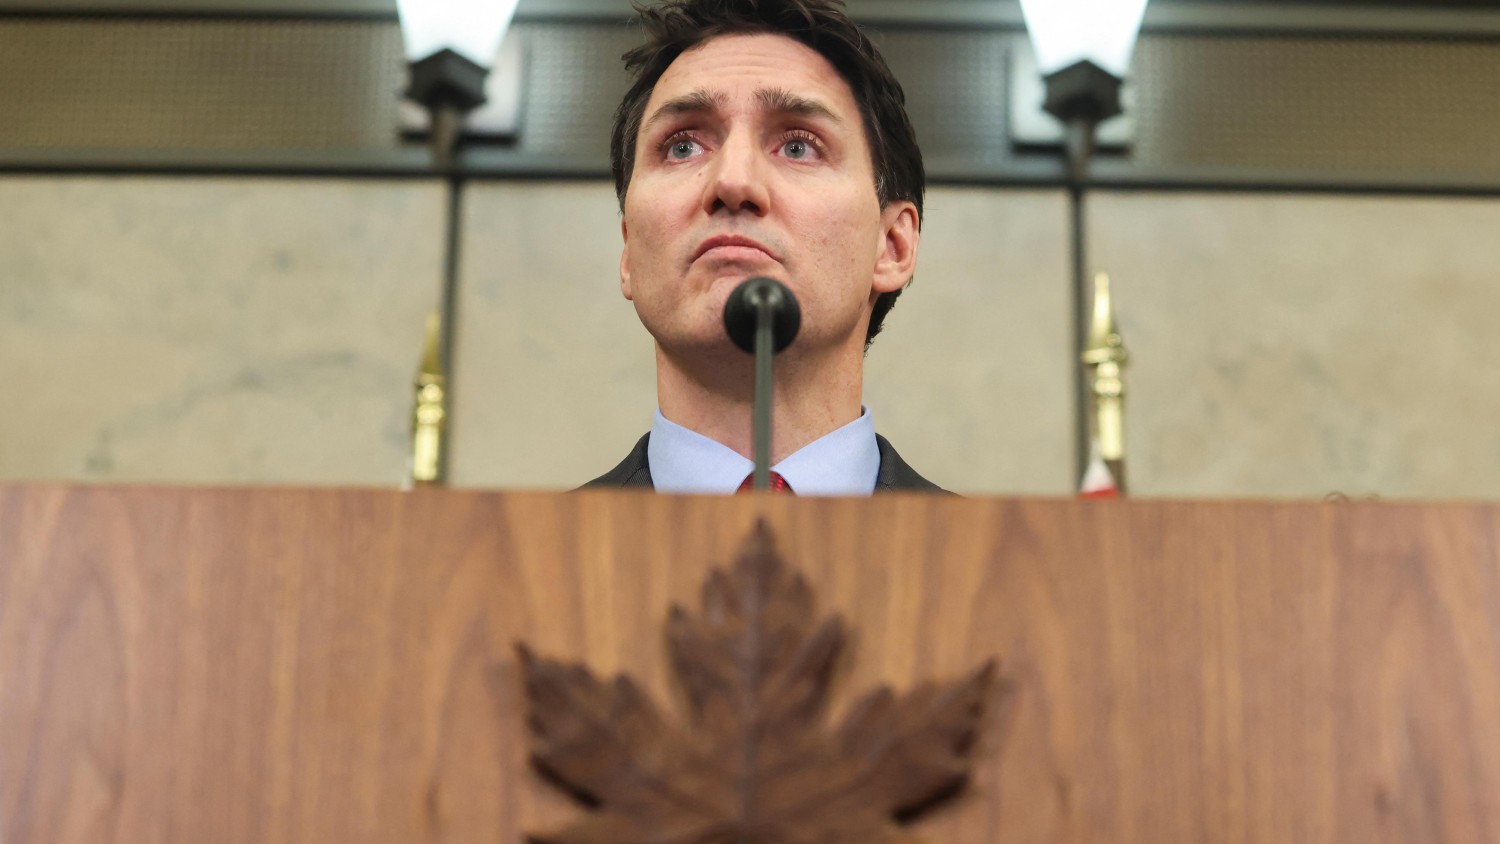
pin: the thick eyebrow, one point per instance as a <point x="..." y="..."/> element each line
<point x="782" y="101"/>
<point x="773" y="100"/>
<point x="698" y="101"/>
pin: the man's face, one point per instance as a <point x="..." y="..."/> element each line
<point x="752" y="160"/>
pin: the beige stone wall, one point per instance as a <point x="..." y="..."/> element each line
<point x="265" y="331"/>
<point x="1304" y="345"/>
<point x="211" y="331"/>
<point x="970" y="379"/>
<point x="555" y="375"/>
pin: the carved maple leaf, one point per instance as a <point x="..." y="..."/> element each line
<point x="755" y="762"/>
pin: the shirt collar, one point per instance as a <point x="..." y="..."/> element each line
<point x="842" y="462"/>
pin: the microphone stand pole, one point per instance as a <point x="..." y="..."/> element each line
<point x="762" y="318"/>
<point x="765" y="354"/>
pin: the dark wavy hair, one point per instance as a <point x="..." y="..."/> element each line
<point x="675" y="26"/>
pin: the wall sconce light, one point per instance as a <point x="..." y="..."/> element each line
<point x="1033" y="129"/>
<point x="1083" y="49"/>
<point x="460" y="76"/>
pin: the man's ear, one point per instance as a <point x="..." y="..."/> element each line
<point x="897" y="260"/>
<point x="625" y="262"/>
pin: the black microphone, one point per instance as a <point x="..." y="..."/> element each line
<point x="762" y="318"/>
<point x="742" y="310"/>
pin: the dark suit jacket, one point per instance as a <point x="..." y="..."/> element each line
<point x="894" y="474"/>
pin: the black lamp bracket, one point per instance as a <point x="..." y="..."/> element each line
<point x="1083" y="91"/>
<point x="447" y="79"/>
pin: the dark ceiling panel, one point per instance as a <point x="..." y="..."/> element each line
<point x="915" y="10"/>
<point x="1305" y="108"/>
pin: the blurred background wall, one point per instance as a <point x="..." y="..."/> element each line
<point x="216" y="253"/>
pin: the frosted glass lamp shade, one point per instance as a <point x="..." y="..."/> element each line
<point x="1065" y="32"/>
<point x="471" y="28"/>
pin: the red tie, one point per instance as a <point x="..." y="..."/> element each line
<point x="778" y="484"/>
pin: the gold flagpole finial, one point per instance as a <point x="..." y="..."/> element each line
<point x="430" y="410"/>
<point x="1105" y="353"/>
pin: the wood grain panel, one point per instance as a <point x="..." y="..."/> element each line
<point x="337" y="666"/>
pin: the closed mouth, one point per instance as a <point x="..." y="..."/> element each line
<point x="730" y="241"/>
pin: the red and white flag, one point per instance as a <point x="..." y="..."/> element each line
<point x="1098" y="480"/>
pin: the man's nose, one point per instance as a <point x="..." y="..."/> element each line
<point x="737" y="181"/>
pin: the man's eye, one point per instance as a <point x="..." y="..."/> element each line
<point x="798" y="149"/>
<point x="682" y="149"/>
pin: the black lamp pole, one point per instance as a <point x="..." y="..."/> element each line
<point x="1081" y="95"/>
<point x="449" y="86"/>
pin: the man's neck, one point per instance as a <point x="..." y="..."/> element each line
<point x="813" y="397"/>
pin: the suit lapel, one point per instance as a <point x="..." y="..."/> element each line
<point x="633" y="471"/>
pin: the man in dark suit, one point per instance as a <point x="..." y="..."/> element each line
<point x="764" y="138"/>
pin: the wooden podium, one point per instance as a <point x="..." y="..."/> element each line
<point x="267" y="666"/>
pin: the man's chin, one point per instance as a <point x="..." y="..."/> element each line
<point x="710" y="342"/>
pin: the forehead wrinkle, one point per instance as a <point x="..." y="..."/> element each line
<point x="782" y="101"/>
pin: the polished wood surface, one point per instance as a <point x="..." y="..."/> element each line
<point x="338" y="666"/>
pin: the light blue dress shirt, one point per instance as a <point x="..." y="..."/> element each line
<point x="842" y="462"/>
